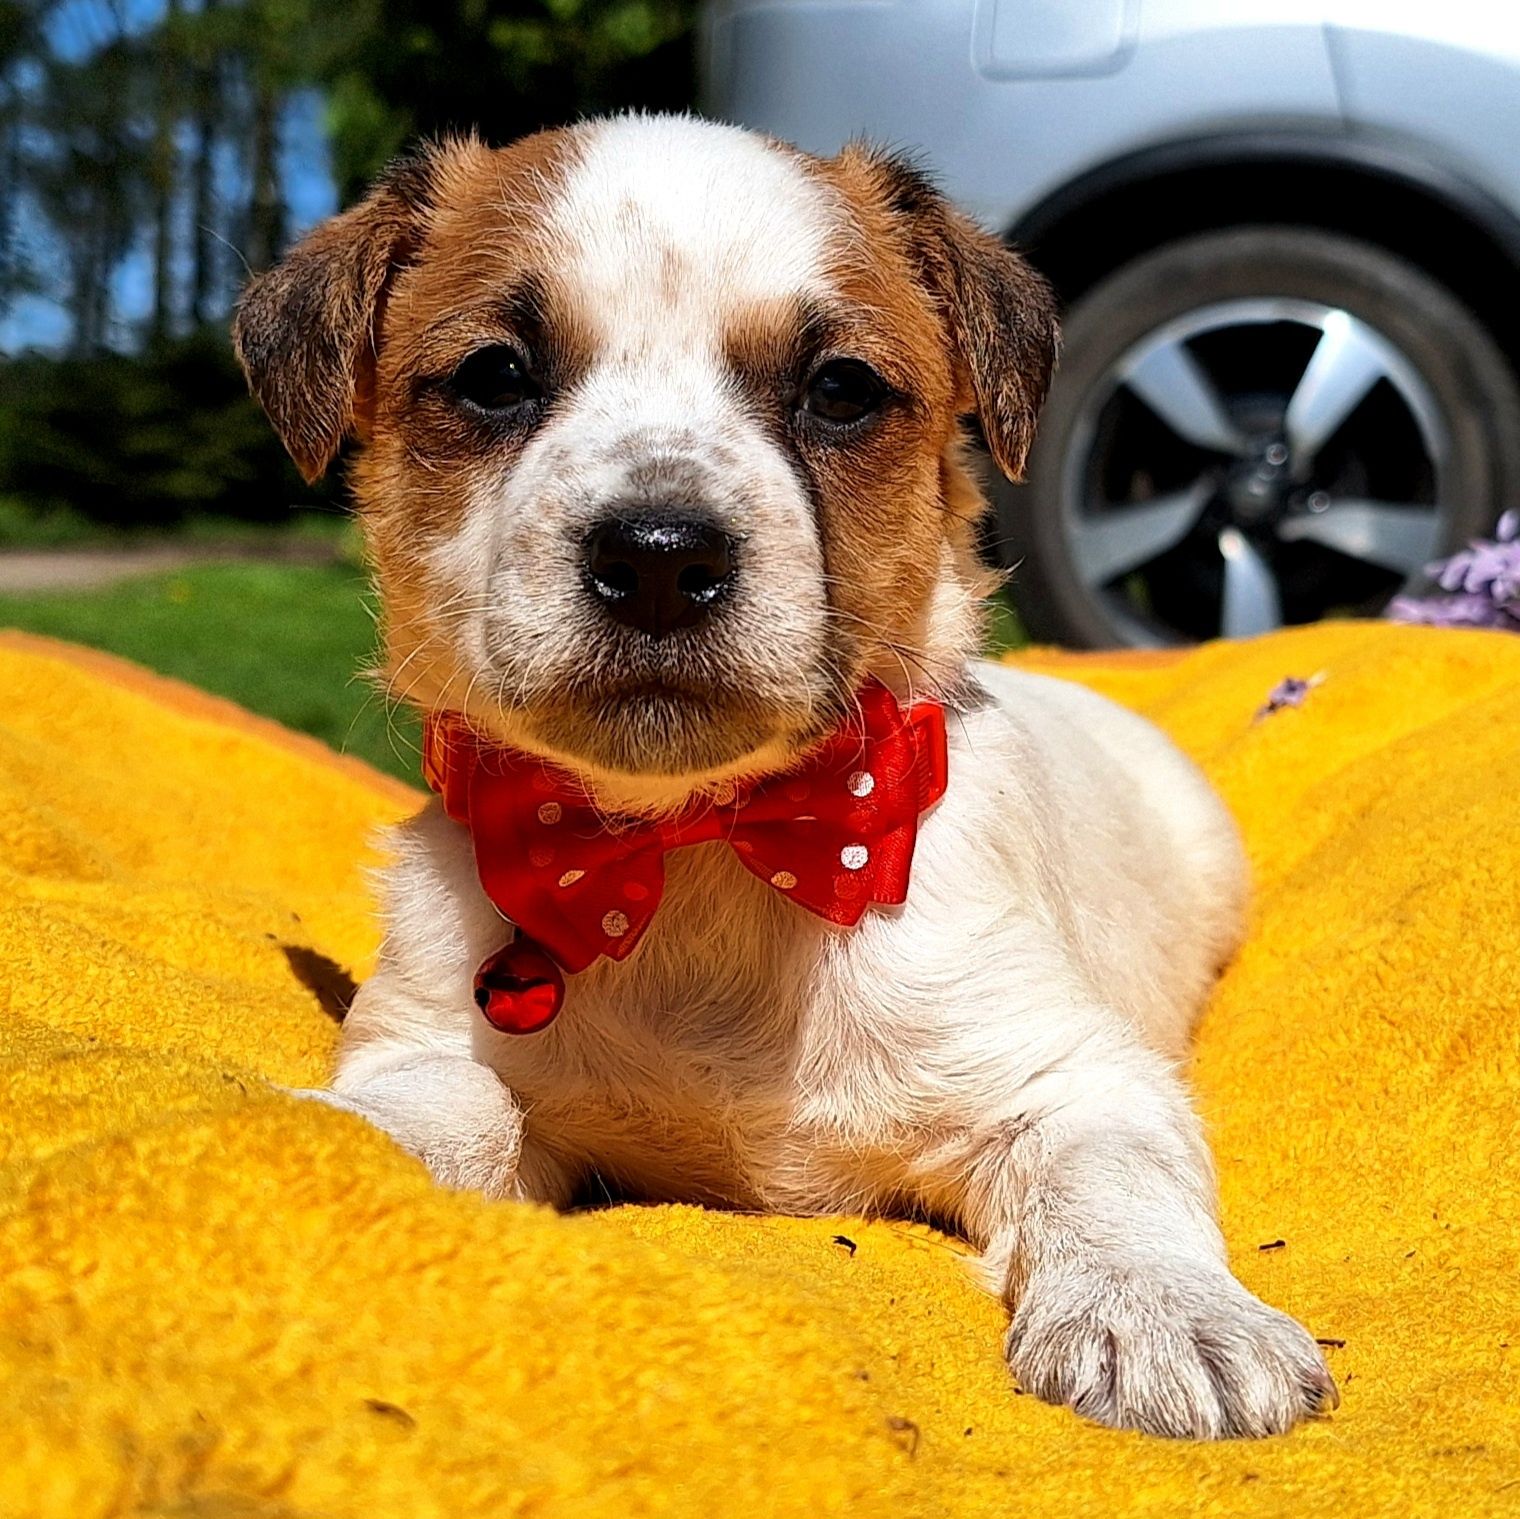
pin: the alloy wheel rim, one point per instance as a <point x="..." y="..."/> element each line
<point x="1268" y="494"/>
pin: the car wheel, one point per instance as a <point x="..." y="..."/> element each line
<point x="1252" y="428"/>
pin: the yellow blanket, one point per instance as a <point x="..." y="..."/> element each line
<point x="218" y="1301"/>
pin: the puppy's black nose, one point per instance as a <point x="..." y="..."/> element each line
<point x="658" y="571"/>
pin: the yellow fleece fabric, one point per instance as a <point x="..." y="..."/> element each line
<point x="218" y="1301"/>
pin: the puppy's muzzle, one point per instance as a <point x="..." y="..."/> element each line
<point x="659" y="571"/>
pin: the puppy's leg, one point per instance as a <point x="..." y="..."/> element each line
<point x="1095" y="1208"/>
<point x="415" y="1078"/>
<point x="408" y="1058"/>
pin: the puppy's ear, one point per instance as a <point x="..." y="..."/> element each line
<point x="305" y="331"/>
<point x="999" y="313"/>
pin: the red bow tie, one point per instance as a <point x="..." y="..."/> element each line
<point x="835" y="835"/>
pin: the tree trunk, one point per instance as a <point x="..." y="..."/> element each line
<point x="165" y="172"/>
<point x="266" y="211"/>
<point x="10" y="191"/>
<point x="203" y="272"/>
<point x="88" y="282"/>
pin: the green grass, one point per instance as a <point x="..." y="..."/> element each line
<point x="1004" y="630"/>
<point x="284" y="640"/>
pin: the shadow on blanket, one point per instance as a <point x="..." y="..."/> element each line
<point x="218" y="1301"/>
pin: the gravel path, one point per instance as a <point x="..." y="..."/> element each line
<point x="27" y="570"/>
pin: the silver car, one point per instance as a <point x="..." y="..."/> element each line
<point x="1287" y="235"/>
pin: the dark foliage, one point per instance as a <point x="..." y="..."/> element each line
<point x="141" y="440"/>
<point x="504" y="69"/>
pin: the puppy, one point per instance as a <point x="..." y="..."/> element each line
<point x="665" y="490"/>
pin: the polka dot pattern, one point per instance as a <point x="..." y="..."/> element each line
<point x="833" y="835"/>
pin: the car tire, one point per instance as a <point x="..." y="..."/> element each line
<point x="1459" y="364"/>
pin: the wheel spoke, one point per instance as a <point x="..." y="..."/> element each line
<point x="1173" y="384"/>
<point x="1128" y="536"/>
<point x="1251" y="603"/>
<point x="1401" y="538"/>
<point x="1346" y="363"/>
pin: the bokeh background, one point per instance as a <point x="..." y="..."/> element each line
<point x="1286" y="236"/>
<point x="152" y="154"/>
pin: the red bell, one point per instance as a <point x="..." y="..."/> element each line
<point x="519" y="989"/>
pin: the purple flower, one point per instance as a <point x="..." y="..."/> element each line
<point x="1290" y="691"/>
<point x="1481" y="582"/>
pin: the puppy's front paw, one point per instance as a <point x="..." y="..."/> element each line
<point x="455" y="1116"/>
<point x="1171" y="1348"/>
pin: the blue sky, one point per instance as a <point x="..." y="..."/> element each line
<point x="40" y="321"/>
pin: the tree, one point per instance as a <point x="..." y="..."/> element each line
<point x="20" y="39"/>
<point x="120" y="124"/>
<point x="206" y="69"/>
<point x="141" y="161"/>
<point x="419" y="67"/>
<point x="90" y="178"/>
<point x="167" y="46"/>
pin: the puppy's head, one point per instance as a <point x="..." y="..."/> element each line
<point x="661" y="432"/>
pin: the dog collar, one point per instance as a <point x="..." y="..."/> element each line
<point x="835" y="834"/>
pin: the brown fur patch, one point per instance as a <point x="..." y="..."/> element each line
<point x="305" y="330"/>
<point x="954" y="322"/>
<point x="999" y="315"/>
<point x="401" y="285"/>
<point x="486" y="276"/>
<point x="359" y="329"/>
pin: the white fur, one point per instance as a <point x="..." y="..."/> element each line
<point x="666" y="230"/>
<point x="998" y="1053"/>
<point x="746" y="222"/>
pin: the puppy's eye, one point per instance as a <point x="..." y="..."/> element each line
<point x="844" y="390"/>
<point x="495" y="379"/>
